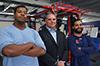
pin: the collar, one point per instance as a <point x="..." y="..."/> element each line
<point x="51" y="29"/>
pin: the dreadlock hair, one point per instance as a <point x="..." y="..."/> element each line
<point x="73" y="20"/>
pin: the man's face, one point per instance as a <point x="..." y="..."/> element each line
<point x="51" y="21"/>
<point x="78" y="28"/>
<point x="21" y="14"/>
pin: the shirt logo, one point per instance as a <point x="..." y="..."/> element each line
<point x="77" y="41"/>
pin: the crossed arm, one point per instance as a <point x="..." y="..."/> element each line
<point x="28" y="49"/>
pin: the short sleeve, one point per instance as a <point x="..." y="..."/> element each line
<point x="5" y="39"/>
<point x="38" y="40"/>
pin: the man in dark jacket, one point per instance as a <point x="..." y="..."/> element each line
<point x="55" y="42"/>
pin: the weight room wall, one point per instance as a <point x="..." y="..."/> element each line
<point x="3" y="24"/>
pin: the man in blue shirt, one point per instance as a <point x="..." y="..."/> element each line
<point x="81" y="46"/>
<point x="19" y="44"/>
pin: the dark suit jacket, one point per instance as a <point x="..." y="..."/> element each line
<point x="54" y="50"/>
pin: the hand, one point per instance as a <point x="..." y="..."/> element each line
<point x="31" y="44"/>
<point x="61" y="63"/>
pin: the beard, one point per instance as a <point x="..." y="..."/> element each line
<point x="78" y="30"/>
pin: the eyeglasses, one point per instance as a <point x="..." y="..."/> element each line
<point x="51" y="19"/>
<point x="78" y="24"/>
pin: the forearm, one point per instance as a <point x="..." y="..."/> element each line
<point x="65" y="56"/>
<point x="65" y="53"/>
<point x="49" y="62"/>
<point x="88" y="49"/>
<point x="15" y="50"/>
<point x="36" y="51"/>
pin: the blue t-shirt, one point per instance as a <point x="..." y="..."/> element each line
<point x="13" y="35"/>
